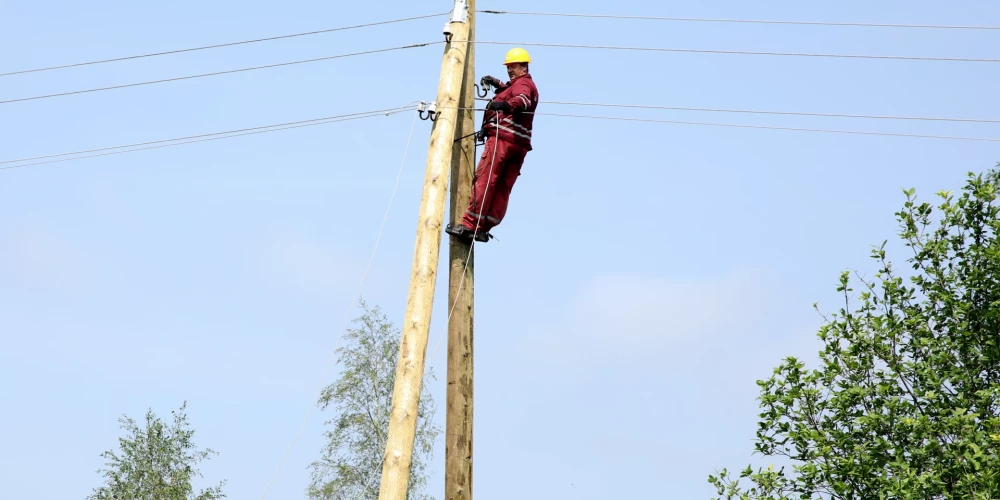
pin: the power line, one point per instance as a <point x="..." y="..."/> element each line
<point x="205" y="135"/>
<point x="230" y="44"/>
<point x="606" y="47"/>
<point x="203" y="75"/>
<point x="182" y="143"/>
<point x="164" y="143"/>
<point x="788" y="113"/>
<point x="764" y="127"/>
<point x="177" y="141"/>
<point x="768" y="127"/>
<point x="741" y="52"/>
<point x="746" y="21"/>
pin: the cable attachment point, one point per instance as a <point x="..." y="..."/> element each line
<point x="430" y="108"/>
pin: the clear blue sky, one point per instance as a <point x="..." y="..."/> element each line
<point x="645" y="277"/>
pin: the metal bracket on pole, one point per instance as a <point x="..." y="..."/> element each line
<point x="459" y="15"/>
<point x="461" y="12"/>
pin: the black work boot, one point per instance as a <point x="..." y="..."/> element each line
<point x="483" y="237"/>
<point x="459" y="231"/>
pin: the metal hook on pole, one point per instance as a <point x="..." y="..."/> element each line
<point x="430" y="109"/>
<point x="486" y="87"/>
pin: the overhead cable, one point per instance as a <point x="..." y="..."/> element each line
<point x="203" y="75"/>
<point x="230" y="44"/>
<point x="747" y="21"/>
<point x="741" y="52"/>
<point x="788" y="113"/>
<point x="185" y="142"/>
<point x="769" y="127"/>
<point x="214" y="136"/>
<point x="177" y="141"/>
<point x="405" y="106"/>
<point x="763" y="127"/>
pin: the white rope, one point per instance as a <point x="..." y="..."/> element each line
<point x="737" y="52"/>
<point x="465" y="269"/>
<point x="349" y="308"/>
<point x="749" y="21"/>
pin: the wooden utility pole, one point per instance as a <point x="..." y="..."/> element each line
<point x="413" y="345"/>
<point x="458" y="421"/>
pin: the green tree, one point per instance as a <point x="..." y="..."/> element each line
<point x="155" y="463"/>
<point x="904" y="401"/>
<point x="351" y="464"/>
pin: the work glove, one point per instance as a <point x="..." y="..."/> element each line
<point x="499" y="106"/>
<point x="492" y="81"/>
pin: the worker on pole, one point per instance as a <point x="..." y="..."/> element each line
<point x="507" y="130"/>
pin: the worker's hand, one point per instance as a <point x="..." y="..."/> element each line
<point x="492" y="81"/>
<point x="499" y="106"/>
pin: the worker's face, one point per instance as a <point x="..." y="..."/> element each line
<point x="516" y="69"/>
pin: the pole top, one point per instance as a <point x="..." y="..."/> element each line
<point x="461" y="12"/>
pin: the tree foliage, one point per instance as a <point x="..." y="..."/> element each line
<point x="157" y="462"/>
<point x="904" y="402"/>
<point x="350" y="467"/>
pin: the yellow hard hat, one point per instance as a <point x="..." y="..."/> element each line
<point x="517" y="55"/>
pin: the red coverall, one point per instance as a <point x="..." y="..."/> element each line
<point x="505" y="149"/>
